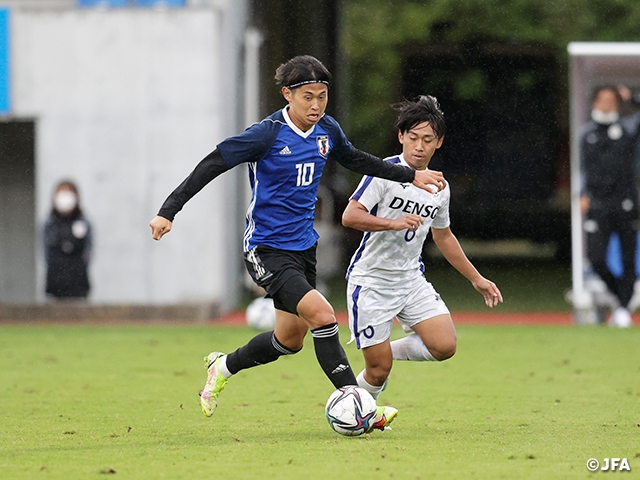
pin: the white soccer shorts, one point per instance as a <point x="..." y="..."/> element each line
<point x="372" y="309"/>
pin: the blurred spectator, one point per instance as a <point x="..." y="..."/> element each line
<point x="609" y="198"/>
<point x="67" y="241"/>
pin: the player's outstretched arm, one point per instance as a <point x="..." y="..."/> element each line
<point x="159" y="226"/>
<point x="209" y="168"/>
<point x="367" y="164"/>
<point x="357" y="216"/>
<point x="448" y="244"/>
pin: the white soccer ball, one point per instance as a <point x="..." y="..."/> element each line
<point x="351" y="411"/>
<point x="261" y="314"/>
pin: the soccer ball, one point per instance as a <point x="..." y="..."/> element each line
<point x="351" y="411"/>
<point x="261" y="314"/>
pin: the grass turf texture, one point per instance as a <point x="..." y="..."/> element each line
<point x="515" y="402"/>
<point x="526" y="285"/>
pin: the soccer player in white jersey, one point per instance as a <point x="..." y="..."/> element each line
<point x="386" y="274"/>
<point x="286" y="153"/>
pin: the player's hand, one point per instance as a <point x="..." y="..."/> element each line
<point x="489" y="291"/>
<point x="159" y="226"/>
<point x="409" y="222"/>
<point x="429" y="180"/>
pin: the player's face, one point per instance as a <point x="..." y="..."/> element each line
<point x="306" y="104"/>
<point x="419" y="144"/>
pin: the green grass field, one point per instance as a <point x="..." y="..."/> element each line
<point x="81" y="402"/>
<point x="527" y="285"/>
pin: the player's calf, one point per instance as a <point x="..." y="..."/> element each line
<point x="374" y="390"/>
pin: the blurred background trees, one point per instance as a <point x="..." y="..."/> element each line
<point x="499" y="70"/>
<point x="378" y="33"/>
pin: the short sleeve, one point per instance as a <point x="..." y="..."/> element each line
<point x="442" y="217"/>
<point x="370" y="192"/>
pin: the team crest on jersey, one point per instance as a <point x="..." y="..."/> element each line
<point x="323" y="144"/>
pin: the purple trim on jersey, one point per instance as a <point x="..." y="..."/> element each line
<point x="421" y="264"/>
<point x="355" y="296"/>
<point x="360" y="191"/>
<point x="373" y="212"/>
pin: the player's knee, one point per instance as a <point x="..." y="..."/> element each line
<point x="315" y="310"/>
<point x="444" y="350"/>
<point x="320" y="318"/>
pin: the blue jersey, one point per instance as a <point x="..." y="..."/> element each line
<point x="285" y="166"/>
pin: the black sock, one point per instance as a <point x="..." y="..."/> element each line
<point x="261" y="349"/>
<point x="331" y="356"/>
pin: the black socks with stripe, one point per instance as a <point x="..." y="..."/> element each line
<point x="265" y="348"/>
<point x="261" y="349"/>
<point x="331" y="356"/>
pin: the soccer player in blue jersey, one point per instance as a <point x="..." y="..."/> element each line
<point x="286" y="153"/>
<point x="386" y="275"/>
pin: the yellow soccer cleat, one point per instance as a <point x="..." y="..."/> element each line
<point x="215" y="383"/>
<point x="384" y="416"/>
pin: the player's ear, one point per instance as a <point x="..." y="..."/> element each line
<point x="400" y="136"/>
<point x="440" y="140"/>
<point x="287" y="94"/>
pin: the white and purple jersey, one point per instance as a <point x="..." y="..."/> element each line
<point x="390" y="257"/>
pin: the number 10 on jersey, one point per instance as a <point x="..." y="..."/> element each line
<point x="305" y="174"/>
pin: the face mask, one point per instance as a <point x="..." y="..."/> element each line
<point x="604" y="118"/>
<point x="65" y="201"/>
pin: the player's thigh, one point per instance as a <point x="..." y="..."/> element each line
<point x="287" y="276"/>
<point x="421" y="302"/>
<point x="290" y="330"/>
<point x="438" y="334"/>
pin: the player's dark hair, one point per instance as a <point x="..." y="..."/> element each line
<point x="425" y="108"/>
<point x="302" y="70"/>
<point x="602" y="88"/>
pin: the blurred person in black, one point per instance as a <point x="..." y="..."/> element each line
<point x="609" y="199"/>
<point x="67" y="242"/>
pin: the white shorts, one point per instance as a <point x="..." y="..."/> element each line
<point x="372" y="309"/>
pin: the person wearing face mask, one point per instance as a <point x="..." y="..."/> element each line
<point x="608" y="151"/>
<point x="67" y="241"/>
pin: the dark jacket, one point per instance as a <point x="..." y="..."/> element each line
<point x="609" y="161"/>
<point x="67" y="241"/>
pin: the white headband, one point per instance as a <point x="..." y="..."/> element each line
<point x="296" y="85"/>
